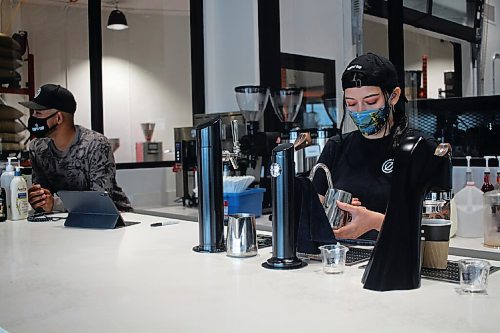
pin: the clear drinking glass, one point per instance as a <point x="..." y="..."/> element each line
<point x="333" y="256"/>
<point x="473" y="275"/>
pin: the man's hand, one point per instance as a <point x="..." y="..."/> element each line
<point x="40" y="198"/>
<point x="363" y="220"/>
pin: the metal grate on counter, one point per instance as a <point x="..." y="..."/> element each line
<point x="264" y="241"/>
<point x="450" y="274"/>
<point x="354" y="255"/>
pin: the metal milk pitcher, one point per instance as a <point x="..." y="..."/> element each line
<point x="336" y="216"/>
<point x="241" y="236"/>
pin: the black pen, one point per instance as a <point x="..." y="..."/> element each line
<point x="159" y="224"/>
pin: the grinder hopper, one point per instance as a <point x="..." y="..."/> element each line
<point x="286" y="104"/>
<point x="252" y="101"/>
<point x="148" y="129"/>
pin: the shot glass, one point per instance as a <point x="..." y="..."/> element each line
<point x="473" y="275"/>
<point x="333" y="257"/>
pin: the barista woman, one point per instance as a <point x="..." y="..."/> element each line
<point x="361" y="161"/>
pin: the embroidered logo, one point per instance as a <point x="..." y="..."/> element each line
<point x="354" y="67"/>
<point x="38" y="92"/>
<point x="388" y="165"/>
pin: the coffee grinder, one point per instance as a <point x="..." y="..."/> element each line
<point x="323" y="133"/>
<point x="256" y="146"/>
<point x="286" y="104"/>
<point x="148" y="151"/>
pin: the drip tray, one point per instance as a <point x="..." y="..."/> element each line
<point x="450" y="274"/>
<point x="357" y="255"/>
<point x="354" y="255"/>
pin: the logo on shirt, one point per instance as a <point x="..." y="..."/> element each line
<point x="388" y="165"/>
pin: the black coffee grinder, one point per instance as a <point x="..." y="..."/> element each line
<point x="256" y="146"/>
<point x="286" y="105"/>
<point x="396" y="259"/>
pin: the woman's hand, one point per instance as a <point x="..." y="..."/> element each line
<point x="363" y="220"/>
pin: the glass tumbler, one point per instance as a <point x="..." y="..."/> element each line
<point x="333" y="257"/>
<point x="473" y="275"/>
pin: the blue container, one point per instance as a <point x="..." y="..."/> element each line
<point x="248" y="201"/>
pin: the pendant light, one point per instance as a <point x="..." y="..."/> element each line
<point x="117" y="20"/>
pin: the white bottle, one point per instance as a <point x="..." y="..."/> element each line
<point x="469" y="203"/>
<point x="19" y="196"/>
<point x="5" y="181"/>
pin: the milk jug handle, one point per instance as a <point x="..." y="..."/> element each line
<point x="327" y="172"/>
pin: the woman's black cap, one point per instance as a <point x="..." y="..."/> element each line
<point x="370" y="70"/>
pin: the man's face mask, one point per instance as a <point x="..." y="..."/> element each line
<point x="38" y="127"/>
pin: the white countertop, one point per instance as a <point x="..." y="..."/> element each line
<point x="144" y="279"/>
<point x="472" y="247"/>
<point x="191" y="214"/>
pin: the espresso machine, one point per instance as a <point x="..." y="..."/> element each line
<point x="148" y="151"/>
<point x="185" y="165"/>
<point x="319" y="135"/>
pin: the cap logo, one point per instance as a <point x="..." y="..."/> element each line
<point x="354" y="67"/>
<point x="38" y="92"/>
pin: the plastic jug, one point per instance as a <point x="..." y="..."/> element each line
<point x="469" y="203"/>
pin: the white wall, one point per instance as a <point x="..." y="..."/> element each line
<point x="231" y="51"/>
<point x="146" y="69"/>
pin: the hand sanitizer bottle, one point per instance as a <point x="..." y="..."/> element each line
<point x="19" y="196"/>
<point x="5" y="181"/>
<point x="469" y="204"/>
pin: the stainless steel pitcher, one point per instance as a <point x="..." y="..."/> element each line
<point x="241" y="236"/>
<point x="336" y="216"/>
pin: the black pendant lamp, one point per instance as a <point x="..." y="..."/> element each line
<point x="117" y="20"/>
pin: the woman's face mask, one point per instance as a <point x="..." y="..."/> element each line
<point x="39" y="127"/>
<point x="370" y="121"/>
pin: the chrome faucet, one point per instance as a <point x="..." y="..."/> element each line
<point x="233" y="156"/>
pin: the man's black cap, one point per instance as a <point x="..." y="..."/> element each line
<point x="51" y="96"/>
<point x="370" y="70"/>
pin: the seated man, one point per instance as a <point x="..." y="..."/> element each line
<point x="66" y="156"/>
